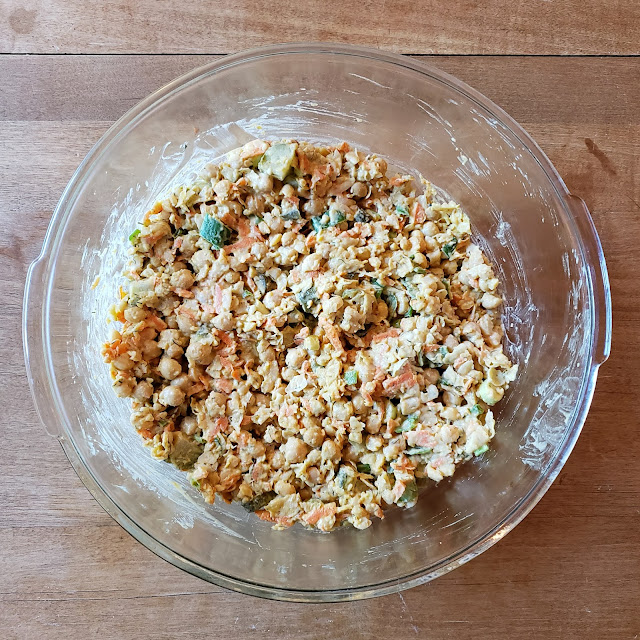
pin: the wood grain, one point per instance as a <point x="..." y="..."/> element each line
<point x="424" y="26"/>
<point x="569" y="571"/>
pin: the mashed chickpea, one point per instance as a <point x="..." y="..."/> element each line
<point x="309" y="336"/>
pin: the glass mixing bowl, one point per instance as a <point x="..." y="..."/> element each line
<point x="540" y="238"/>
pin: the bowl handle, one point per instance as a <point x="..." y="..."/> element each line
<point x="599" y="277"/>
<point x="33" y="345"/>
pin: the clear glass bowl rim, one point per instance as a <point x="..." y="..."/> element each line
<point x="36" y="345"/>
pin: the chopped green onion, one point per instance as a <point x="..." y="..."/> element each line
<point x="180" y="232"/>
<point x="409" y="313"/>
<point x="409" y="423"/>
<point x="363" y="468"/>
<point x="402" y="210"/>
<point x="318" y="224"/>
<point x="199" y="439"/>
<point x="410" y="493"/>
<point x="259" y="502"/>
<point x="391" y="300"/>
<point x="195" y="483"/>
<point x="450" y="247"/>
<point x="134" y="235"/>
<point x="291" y="214"/>
<point x="261" y="283"/>
<point x="344" y="476"/>
<point x="443" y="382"/>
<point x="306" y="298"/>
<point x="246" y="293"/>
<point x="378" y="287"/>
<point x="336" y="218"/>
<point x="418" y="451"/>
<point x="481" y="450"/>
<point x="351" y="376"/>
<point x="476" y="410"/>
<point x="213" y="231"/>
<point x="419" y="270"/>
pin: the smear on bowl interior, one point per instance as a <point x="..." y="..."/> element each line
<point x="309" y="336"/>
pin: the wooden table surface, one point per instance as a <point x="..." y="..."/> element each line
<point x="568" y="71"/>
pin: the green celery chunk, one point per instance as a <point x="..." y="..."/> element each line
<point x="213" y="231"/>
<point x="278" y="159"/>
<point x="351" y="376"/>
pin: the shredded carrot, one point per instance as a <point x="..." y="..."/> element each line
<point x="265" y="515"/>
<point x="419" y="214"/>
<point x="319" y="512"/>
<point x="243" y="243"/>
<point x="217" y="298"/>
<point x="219" y="425"/>
<point x="155" y="322"/>
<point x="223" y="385"/>
<point x="391" y="333"/>
<point x="393" y="384"/>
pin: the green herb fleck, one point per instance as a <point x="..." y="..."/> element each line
<point x="134" y="235"/>
<point x="195" y="483"/>
<point x="363" y="468"/>
<point x="402" y="210"/>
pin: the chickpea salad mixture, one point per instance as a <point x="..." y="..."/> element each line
<point x="309" y="336"/>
